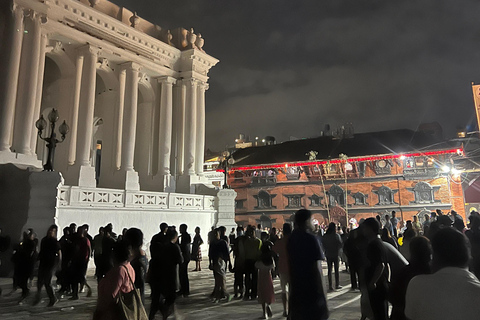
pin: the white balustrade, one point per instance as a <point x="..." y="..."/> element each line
<point x="69" y="196"/>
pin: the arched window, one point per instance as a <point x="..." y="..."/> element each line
<point x="360" y="198"/>
<point x="315" y="200"/>
<point x="336" y="196"/>
<point x="264" y="200"/>
<point x="386" y="195"/>
<point x="424" y="192"/>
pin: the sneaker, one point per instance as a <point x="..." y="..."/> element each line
<point x="338" y="287"/>
<point x="330" y="289"/>
<point x="269" y="311"/>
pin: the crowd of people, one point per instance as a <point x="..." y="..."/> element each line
<point x="425" y="270"/>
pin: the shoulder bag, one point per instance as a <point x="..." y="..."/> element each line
<point x="130" y="306"/>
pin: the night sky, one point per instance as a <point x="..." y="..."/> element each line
<point x="288" y="67"/>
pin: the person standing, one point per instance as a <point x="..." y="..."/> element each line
<point x="219" y="259"/>
<point x="332" y="243"/>
<point x="377" y="272"/>
<point x="417" y="227"/>
<point x="139" y="261"/>
<point x="24" y="261"/>
<point x="163" y="275"/>
<point x="388" y="224"/>
<point x="238" y="249"/>
<point x="474" y="237"/>
<point x="79" y="263"/>
<point x="394" y="222"/>
<point x="280" y="248"/>
<point x="97" y="252"/>
<point x="185" y="242"/>
<point x="196" y="249"/>
<point x="118" y="279"/>
<point x="421" y="252"/>
<point x="252" y="247"/>
<point x="49" y="257"/>
<point x="307" y="297"/>
<point x="266" y="293"/>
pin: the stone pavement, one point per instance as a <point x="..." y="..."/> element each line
<point x="343" y="304"/>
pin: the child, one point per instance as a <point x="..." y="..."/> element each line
<point x="266" y="294"/>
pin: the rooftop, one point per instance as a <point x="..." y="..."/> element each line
<point x="361" y="145"/>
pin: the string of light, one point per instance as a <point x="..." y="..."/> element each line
<point x="458" y="151"/>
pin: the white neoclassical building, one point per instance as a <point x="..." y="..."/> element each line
<point x="133" y="95"/>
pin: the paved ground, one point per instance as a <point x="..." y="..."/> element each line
<point x="343" y="303"/>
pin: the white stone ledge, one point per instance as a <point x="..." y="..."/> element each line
<point x="81" y="197"/>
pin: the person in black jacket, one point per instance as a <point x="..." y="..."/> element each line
<point x="49" y="257"/>
<point x="332" y="243"/>
<point x="185" y="242"/>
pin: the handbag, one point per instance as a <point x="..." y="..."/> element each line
<point x="129" y="305"/>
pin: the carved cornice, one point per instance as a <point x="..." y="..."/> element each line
<point x="109" y="29"/>
<point x="56" y="46"/>
<point x="103" y="63"/>
<point x="89" y="50"/>
<point x="202" y="85"/>
<point x="132" y="66"/>
<point x="190" y="81"/>
<point x="167" y="80"/>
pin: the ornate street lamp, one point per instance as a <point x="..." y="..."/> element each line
<point x="52" y="141"/>
<point x="227" y="160"/>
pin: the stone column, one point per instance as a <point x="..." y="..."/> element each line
<point x="38" y="98"/>
<point x="27" y="92"/>
<point x="200" y="147"/>
<point x="130" y="126"/>
<point x="72" y="149"/>
<point x="86" y="114"/>
<point x="190" y="127"/>
<point x="165" y="129"/>
<point x="9" y="79"/>
<point x="225" y="205"/>
<point x="179" y="114"/>
<point x="119" y="125"/>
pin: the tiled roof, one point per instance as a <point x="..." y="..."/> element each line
<point x="361" y="144"/>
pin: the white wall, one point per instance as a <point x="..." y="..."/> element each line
<point x="146" y="220"/>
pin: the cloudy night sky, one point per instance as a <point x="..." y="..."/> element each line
<point x="289" y="67"/>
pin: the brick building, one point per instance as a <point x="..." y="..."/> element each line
<point x="360" y="175"/>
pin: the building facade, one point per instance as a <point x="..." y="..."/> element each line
<point x="133" y="95"/>
<point x="348" y="177"/>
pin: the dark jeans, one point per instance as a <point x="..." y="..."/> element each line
<point x="161" y="302"/>
<point x="45" y="275"/>
<point x="183" y="275"/>
<point x="238" y="282"/>
<point x="333" y="262"/>
<point x="378" y="302"/>
<point x="251" y="279"/>
<point x="354" y="277"/>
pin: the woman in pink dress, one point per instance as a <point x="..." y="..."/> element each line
<point x="119" y="279"/>
<point x="266" y="293"/>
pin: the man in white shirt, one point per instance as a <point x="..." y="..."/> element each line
<point x="452" y="292"/>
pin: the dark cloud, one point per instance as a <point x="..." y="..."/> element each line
<point x="289" y="67"/>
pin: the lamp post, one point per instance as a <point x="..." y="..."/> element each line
<point x="227" y="160"/>
<point x="52" y="140"/>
